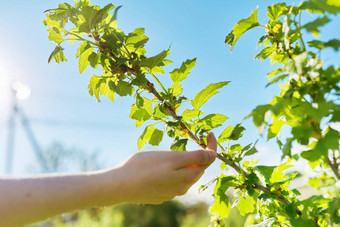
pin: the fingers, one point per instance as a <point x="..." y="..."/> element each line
<point x="212" y="145"/>
<point x="212" y="142"/>
<point x="199" y="157"/>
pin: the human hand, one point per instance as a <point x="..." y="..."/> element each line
<point x="157" y="176"/>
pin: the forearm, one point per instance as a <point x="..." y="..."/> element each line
<point x="27" y="200"/>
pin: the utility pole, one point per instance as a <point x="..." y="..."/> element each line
<point x="11" y="133"/>
<point x="18" y="92"/>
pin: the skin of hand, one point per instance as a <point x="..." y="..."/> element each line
<point x="146" y="177"/>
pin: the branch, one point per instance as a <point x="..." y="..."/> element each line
<point x="231" y="163"/>
<point x="333" y="167"/>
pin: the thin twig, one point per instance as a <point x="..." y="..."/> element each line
<point x="333" y="167"/>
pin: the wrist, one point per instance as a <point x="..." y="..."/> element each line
<point x="108" y="187"/>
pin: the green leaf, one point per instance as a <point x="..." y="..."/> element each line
<point x="276" y="79"/>
<point x="241" y="27"/>
<point x="211" y="121"/>
<point x="265" y="171"/>
<point x="176" y="89"/>
<point x="55" y="35"/>
<point x="259" y="115"/>
<point x="136" y="39"/>
<point x="180" y="74"/>
<point x="122" y="88"/>
<point x="99" y="85"/>
<point x="245" y="205"/>
<point x="276" y="11"/>
<point x="287" y="148"/>
<point x="333" y="43"/>
<point x="313" y="27"/>
<point x="191" y="114"/>
<point x="329" y="141"/>
<point x="311" y="155"/>
<point x="142" y="113"/>
<point x="274" y="128"/>
<point x="321" y="6"/>
<point x="251" y="151"/>
<point x="225" y="134"/>
<point x="221" y="206"/>
<point x="160" y="112"/>
<point x="179" y="145"/>
<point x="155" y="60"/>
<point x="113" y="21"/>
<point x="91" y="16"/>
<point x="140" y="80"/>
<point x="237" y="132"/>
<point x="265" y="53"/>
<point x="57" y="55"/>
<point x="84" y="61"/>
<point x="277" y="174"/>
<point x="203" y="96"/>
<point x="156" y="137"/>
<point x="151" y="135"/>
<point x="94" y="59"/>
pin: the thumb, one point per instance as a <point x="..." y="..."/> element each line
<point x="211" y="144"/>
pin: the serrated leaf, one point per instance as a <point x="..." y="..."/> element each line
<point x="160" y="112"/>
<point x="191" y="114"/>
<point x="259" y="116"/>
<point x="266" y="171"/>
<point x="333" y="43"/>
<point x="274" y="128"/>
<point x="245" y="205"/>
<point x="57" y="55"/>
<point x="237" y="132"/>
<point x="251" y="151"/>
<point x="287" y="148"/>
<point x="141" y="113"/>
<point x="84" y="59"/>
<point x="265" y="53"/>
<point x="321" y="6"/>
<point x="92" y="16"/>
<point x="221" y="207"/>
<point x="180" y="74"/>
<point x="136" y="39"/>
<point x="241" y="27"/>
<point x="276" y="11"/>
<point x="99" y="85"/>
<point x="211" y="121"/>
<point x="313" y="27"/>
<point x="154" y="61"/>
<point x="277" y="79"/>
<point x="225" y="134"/>
<point x="150" y="135"/>
<point x="122" y="88"/>
<point x="277" y="174"/>
<point x="55" y="35"/>
<point x="93" y="59"/>
<point x="176" y="89"/>
<point x="203" y="96"/>
<point x="179" y="145"/>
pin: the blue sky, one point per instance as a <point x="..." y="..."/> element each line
<point x="60" y="107"/>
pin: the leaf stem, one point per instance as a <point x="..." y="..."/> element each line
<point x="80" y="38"/>
<point x="158" y="82"/>
<point x="333" y="167"/>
